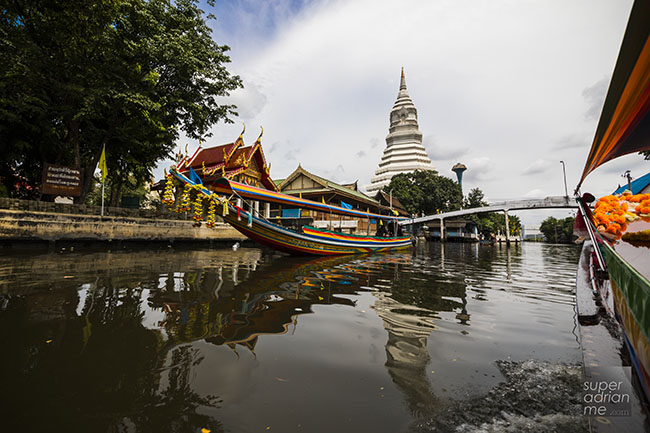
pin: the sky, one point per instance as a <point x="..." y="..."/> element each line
<point x="507" y="87"/>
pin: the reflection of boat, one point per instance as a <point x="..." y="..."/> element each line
<point x="311" y="241"/>
<point x="624" y="128"/>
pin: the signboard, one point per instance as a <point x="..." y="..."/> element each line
<point x="59" y="180"/>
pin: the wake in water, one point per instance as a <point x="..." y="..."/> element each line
<point x="537" y="397"/>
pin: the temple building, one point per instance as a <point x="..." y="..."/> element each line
<point x="404" y="152"/>
<point x="304" y="184"/>
<point x="234" y="161"/>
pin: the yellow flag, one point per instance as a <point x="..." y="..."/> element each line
<point x="323" y="199"/>
<point x="102" y="165"/>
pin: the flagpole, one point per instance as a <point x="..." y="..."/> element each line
<point x="102" y="198"/>
<point x="102" y="167"/>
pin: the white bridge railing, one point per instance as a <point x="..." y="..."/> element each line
<point x="553" y="202"/>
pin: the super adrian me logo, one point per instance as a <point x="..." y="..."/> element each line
<point x="607" y="392"/>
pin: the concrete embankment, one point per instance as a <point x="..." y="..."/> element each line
<point x="21" y="225"/>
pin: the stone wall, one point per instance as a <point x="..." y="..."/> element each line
<point x="82" y="209"/>
<point x="18" y="224"/>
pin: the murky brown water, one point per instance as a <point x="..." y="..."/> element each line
<point x="250" y="341"/>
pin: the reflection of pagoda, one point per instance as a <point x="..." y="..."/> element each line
<point x="408" y="326"/>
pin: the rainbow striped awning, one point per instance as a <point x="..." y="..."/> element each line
<point x="624" y="125"/>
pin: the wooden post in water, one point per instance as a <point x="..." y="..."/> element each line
<point x="507" y="228"/>
<point x="442" y="230"/>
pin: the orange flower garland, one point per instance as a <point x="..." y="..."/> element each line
<point x="612" y="213"/>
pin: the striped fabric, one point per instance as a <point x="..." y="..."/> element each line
<point x="624" y="125"/>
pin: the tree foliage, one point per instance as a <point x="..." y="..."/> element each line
<point x="426" y="191"/>
<point x="475" y="198"/>
<point x="489" y="223"/>
<point x="558" y="231"/>
<point x="127" y="74"/>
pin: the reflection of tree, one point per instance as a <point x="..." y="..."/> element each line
<point x="100" y="369"/>
<point x="173" y="409"/>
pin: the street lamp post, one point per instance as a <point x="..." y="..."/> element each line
<point x="627" y="175"/>
<point x="566" y="193"/>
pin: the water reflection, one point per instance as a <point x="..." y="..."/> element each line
<point x="107" y="341"/>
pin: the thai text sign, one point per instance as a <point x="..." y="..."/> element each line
<point x="58" y="180"/>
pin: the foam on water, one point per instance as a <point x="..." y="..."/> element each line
<point x="537" y="397"/>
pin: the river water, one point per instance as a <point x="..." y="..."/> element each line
<point x="455" y="337"/>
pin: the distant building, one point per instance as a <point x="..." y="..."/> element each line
<point x="304" y="184"/>
<point x="531" y="234"/>
<point x="404" y="152"/>
<point x="456" y="230"/>
<point x="391" y="202"/>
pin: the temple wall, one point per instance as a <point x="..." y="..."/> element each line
<point x="51" y="226"/>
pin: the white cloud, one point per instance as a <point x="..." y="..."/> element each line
<point x="444" y="151"/>
<point x="595" y="97"/>
<point x="537" y="167"/>
<point x="536" y="193"/>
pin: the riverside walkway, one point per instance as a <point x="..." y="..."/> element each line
<point x="552" y="202"/>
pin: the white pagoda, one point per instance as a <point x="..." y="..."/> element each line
<point x="404" y="152"/>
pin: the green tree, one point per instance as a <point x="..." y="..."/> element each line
<point x="489" y="223"/>
<point x="475" y="198"/>
<point x="426" y="191"/>
<point x="558" y="231"/>
<point x="125" y="74"/>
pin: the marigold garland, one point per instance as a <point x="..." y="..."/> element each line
<point x="212" y="208"/>
<point x="613" y="213"/>
<point x="184" y="202"/>
<point x="168" y="195"/>
<point x="198" y="208"/>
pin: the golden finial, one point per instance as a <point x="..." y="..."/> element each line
<point x="242" y="131"/>
<point x="261" y="133"/>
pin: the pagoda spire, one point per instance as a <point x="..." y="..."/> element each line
<point x="404" y="152"/>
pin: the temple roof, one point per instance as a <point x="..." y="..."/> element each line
<point x="229" y="160"/>
<point x="326" y="186"/>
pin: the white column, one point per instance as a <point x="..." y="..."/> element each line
<point x="507" y="227"/>
<point x="267" y="210"/>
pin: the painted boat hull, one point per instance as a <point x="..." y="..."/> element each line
<point x="631" y="296"/>
<point x="626" y="297"/>
<point x="312" y="241"/>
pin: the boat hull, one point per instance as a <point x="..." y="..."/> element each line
<point x="312" y="241"/>
<point x="631" y="293"/>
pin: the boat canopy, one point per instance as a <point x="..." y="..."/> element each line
<point x="228" y="187"/>
<point x="624" y="125"/>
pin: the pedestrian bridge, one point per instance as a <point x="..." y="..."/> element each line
<point x="553" y="202"/>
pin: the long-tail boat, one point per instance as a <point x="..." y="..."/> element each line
<point x="618" y="254"/>
<point x="309" y="241"/>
